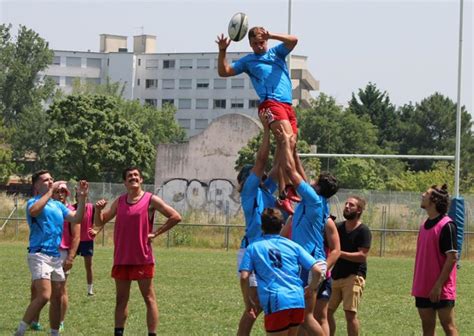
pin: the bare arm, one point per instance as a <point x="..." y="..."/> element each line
<point x="82" y="192"/>
<point x="101" y="217"/>
<point x="173" y="217"/>
<point x="334" y="244"/>
<point x="71" y="253"/>
<point x="39" y="205"/>
<point x="316" y="278"/>
<point x="359" y="257"/>
<point x="289" y="41"/>
<point x="450" y="262"/>
<point x="223" y="67"/>
<point x="286" y="229"/>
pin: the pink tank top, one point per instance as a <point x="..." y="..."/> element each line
<point x="87" y="222"/>
<point x="132" y="226"/>
<point x="429" y="262"/>
<point x="67" y="235"/>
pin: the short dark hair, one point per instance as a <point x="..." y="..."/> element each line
<point x="36" y="175"/>
<point x="272" y="221"/>
<point x="126" y="170"/>
<point x="440" y="197"/>
<point x="328" y="184"/>
<point x="252" y="32"/>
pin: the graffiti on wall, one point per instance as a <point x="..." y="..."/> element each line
<point x="217" y="196"/>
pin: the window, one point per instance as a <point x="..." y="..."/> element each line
<point x="151" y="64"/>
<point x="168" y="64"/>
<point x="186" y="64"/>
<point x="139" y="61"/>
<point x="108" y="61"/>
<point x="203" y="63"/>
<point x="201" y="123"/>
<point x="202" y="103"/>
<point x="138" y="81"/>
<point x="57" y="60"/>
<point x="220" y="83"/>
<point x="202" y="83"/>
<point x="185" y="123"/>
<point x="73" y="62"/>
<point x="185" y="83"/>
<point x="55" y="79"/>
<point x="184" y="104"/>
<point x="93" y="63"/>
<point x="93" y="80"/>
<point x="71" y="80"/>
<point x="237" y="103"/>
<point x="167" y="83"/>
<point x="151" y="102"/>
<point x="219" y="103"/>
<point x="253" y="103"/>
<point x="167" y="102"/>
<point x="151" y="83"/>
<point x="237" y="83"/>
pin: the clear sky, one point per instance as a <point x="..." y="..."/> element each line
<point x="407" y="48"/>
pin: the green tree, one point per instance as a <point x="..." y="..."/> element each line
<point x="429" y="128"/>
<point x="158" y="124"/>
<point x="7" y="166"/>
<point x="376" y="105"/>
<point x="89" y="138"/>
<point x="21" y="61"/>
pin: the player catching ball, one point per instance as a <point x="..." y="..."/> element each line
<point x="270" y="77"/>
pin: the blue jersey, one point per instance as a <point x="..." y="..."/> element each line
<point x="275" y="261"/>
<point x="46" y="229"/>
<point x="254" y="200"/>
<point x="309" y="221"/>
<point x="268" y="73"/>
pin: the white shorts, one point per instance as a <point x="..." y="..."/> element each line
<point x="253" y="278"/>
<point x="63" y="257"/>
<point x="43" y="266"/>
<point x="323" y="266"/>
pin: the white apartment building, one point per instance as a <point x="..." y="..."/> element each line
<point x="189" y="81"/>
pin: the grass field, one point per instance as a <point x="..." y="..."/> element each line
<point x="198" y="294"/>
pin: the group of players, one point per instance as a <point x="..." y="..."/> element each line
<point x="290" y="279"/>
<point x="295" y="264"/>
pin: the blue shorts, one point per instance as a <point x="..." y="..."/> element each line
<point x="325" y="290"/>
<point x="86" y="248"/>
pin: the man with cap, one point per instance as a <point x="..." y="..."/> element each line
<point x="255" y="196"/>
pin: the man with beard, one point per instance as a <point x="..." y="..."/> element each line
<point x="351" y="268"/>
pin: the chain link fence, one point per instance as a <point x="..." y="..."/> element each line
<point x="212" y="216"/>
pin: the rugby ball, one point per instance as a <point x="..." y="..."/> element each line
<point x="238" y="27"/>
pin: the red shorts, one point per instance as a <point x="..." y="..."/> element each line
<point x="279" y="111"/>
<point x="133" y="272"/>
<point x="284" y="319"/>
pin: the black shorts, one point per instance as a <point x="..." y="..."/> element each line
<point x="86" y="248"/>
<point x="426" y="303"/>
<point x="325" y="290"/>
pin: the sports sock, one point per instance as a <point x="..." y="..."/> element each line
<point x="118" y="331"/>
<point x="90" y="289"/>
<point x="21" y="328"/>
<point x="54" y="332"/>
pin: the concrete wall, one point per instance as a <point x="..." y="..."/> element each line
<point x="208" y="155"/>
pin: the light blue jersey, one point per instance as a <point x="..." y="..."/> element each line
<point x="309" y="221"/>
<point x="268" y="73"/>
<point x="46" y="229"/>
<point x="275" y="261"/>
<point x="254" y="200"/>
